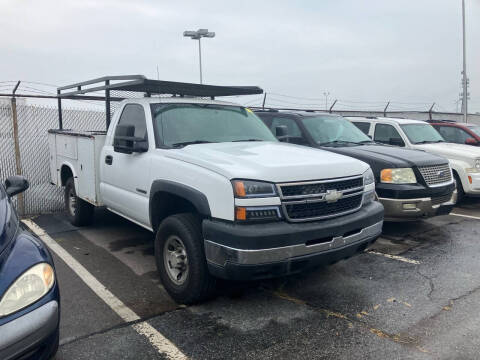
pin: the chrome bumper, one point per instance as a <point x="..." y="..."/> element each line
<point x="28" y="331"/>
<point x="419" y="208"/>
<point x="219" y="254"/>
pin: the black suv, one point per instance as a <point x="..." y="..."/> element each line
<point x="411" y="184"/>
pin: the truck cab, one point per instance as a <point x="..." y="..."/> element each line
<point x="401" y="184"/>
<point x="224" y="198"/>
<point x="415" y="134"/>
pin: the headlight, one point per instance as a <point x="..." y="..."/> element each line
<point x="32" y="285"/>
<point x="398" y="176"/>
<point x="475" y="169"/>
<point x="368" y="177"/>
<point x="250" y="188"/>
<point x="477" y="164"/>
<point x="257" y="213"/>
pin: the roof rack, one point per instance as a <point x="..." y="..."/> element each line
<point x="140" y="84"/>
<point x="441" y="121"/>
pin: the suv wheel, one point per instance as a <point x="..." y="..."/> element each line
<point x="458" y="185"/>
<point x="180" y="259"/>
<point x="79" y="212"/>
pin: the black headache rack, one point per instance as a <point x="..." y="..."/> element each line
<point x="140" y="84"/>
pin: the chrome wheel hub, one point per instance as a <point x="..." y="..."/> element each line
<point x="175" y="259"/>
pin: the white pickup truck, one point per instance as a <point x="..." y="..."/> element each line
<point x="414" y="134"/>
<point x="223" y="196"/>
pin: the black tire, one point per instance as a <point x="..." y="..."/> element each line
<point x="460" y="191"/>
<point x="198" y="285"/>
<point x="79" y="213"/>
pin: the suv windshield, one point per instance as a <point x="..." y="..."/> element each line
<point x="328" y="130"/>
<point x="422" y="133"/>
<point x="183" y="124"/>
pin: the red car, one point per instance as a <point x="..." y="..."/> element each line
<point x="460" y="133"/>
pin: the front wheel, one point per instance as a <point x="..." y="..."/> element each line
<point x="180" y="258"/>
<point x="79" y="212"/>
<point x="459" y="186"/>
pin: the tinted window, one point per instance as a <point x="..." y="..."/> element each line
<point x="453" y="134"/>
<point x="180" y="123"/>
<point x="133" y="115"/>
<point x="387" y="134"/>
<point x="475" y="129"/>
<point x="364" y="126"/>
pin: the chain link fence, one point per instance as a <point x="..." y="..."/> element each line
<point x="34" y="121"/>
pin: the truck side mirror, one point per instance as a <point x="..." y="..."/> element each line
<point x="125" y="142"/>
<point x="281" y="131"/>
<point x="15" y="185"/>
<point x="396" y="142"/>
<point x="471" y="141"/>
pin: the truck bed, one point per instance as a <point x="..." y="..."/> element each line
<point x="80" y="151"/>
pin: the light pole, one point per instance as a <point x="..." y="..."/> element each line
<point x="197" y="35"/>
<point x="326" y="94"/>
<point x="464" y="72"/>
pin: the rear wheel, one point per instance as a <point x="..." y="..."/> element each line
<point x="458" y="185"/>
<point x="79" y="212"/>
<point x="180" y="259"/>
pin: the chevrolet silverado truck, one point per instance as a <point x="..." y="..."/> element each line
<point x="414" y="134"/>
<point x="224" y="198"/>
<point x="410" y="184"/>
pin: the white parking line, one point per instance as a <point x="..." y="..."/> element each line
<point x="466" y="216"/>
<point x="395" y="257"/>
<point x="157" y="340"/>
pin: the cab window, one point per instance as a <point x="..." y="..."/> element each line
<point x="387" y="134"/>
<point x="453" y="134"/>
<point x="363" y="126"/>
<point x="133" y="115"/>
<point x="294" y="134"/>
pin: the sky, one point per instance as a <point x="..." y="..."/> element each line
<point x="363" y="53"/>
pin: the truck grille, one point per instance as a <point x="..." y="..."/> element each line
<point x="436" y="174"/>
<point x="316" y="188"/>
<point x="306" y="211"/>
<point x="315" y="200"/>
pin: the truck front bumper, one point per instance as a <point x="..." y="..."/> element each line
<point x="248" y="252"/>
<point x="417" y="209"/>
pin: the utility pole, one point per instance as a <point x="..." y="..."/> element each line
<point x="326" y="94"/>
<point x="464" y="72"/>
<point x="197" y="35"/>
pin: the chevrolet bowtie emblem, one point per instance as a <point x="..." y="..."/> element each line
<point x="333" y="196"/>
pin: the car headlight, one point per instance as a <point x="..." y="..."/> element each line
<point x="29" y="287"/>
<point x="368" y="177"/>
<point x="475" y="169"/>
<point x="251" y="188"/>
<point x="398" y="176"/>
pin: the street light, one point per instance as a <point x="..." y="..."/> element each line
<point x="197" y="35"/>
<point x="464" y="72"/>
<point x="326" y="94"/>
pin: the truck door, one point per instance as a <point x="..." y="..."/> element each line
<point x="125" y="178"/>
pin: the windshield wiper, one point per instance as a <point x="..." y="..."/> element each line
<point x="248" y="140"/>
<point x="429" y="141"/>
<point x="185" y="143"/>
<point x="366" y="142"/>
<point x="328" y="143"/>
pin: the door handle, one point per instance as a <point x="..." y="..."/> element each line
<point x="109" y="159"/>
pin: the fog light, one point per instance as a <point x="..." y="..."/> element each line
<point x="409" y="206"/>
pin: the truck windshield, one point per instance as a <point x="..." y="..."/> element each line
<point x="183" y="124"/>
<point x="330" y="130"/>
<point x="422" y="133"/>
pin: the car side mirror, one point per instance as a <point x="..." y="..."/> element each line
<point x="125" y="142"/>
<point x="471" y="141"/>
<point x="396" y="142"/>
<point x="16" y="184"/>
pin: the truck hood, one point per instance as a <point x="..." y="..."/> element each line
<point x="382" y="156"/>
<point x="268" y="161"/>
<point x="452" y="151"/>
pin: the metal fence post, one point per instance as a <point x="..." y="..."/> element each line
<point x="20" y="197"/>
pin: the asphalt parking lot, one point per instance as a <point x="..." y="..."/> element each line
<point x="413" y="294"/>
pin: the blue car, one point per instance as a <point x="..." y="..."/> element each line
<point x="29" y="295"/>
